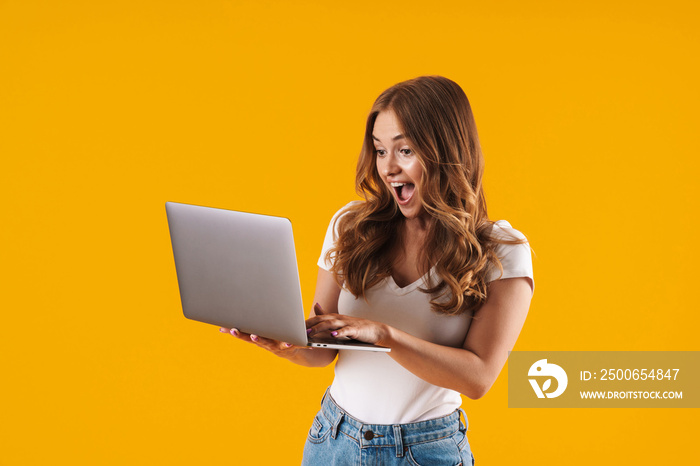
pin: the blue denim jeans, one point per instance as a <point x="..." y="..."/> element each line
<point x="336" y="438"/>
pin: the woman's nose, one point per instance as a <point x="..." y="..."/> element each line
<point x="390" y="165"/>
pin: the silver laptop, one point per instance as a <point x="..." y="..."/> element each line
<point x="239" y="270"/>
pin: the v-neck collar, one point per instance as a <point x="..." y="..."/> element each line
<point x="391" y="283"/>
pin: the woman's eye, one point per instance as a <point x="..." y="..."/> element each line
<point x="380" y="152"/>
<point x="406" y="151"/>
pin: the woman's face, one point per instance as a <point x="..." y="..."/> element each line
<point x="397" y="164"/>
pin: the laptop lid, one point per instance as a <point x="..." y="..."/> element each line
<point x="239" y="270"/>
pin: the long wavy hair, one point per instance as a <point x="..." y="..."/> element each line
<point x="437" y="121"/>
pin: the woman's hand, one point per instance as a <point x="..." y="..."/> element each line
<point x="342" y="326"/>
<point x="279" y="348"/>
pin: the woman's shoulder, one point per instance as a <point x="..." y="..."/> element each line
<point x="332" y="234"/>
<point x="503" y="230"/>
<point x="332" y="231"/>
<point x="515" y="255"/>
<point x="346" y="209"/>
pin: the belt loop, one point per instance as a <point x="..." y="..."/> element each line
<point x="398" y="439"/>
<point x="466" y="423"/>
<point x="336" y="424"/>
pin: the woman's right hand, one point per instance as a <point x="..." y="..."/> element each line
<point x="279" y="348"/>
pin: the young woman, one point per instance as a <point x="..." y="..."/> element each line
<point x="418" y="267"/>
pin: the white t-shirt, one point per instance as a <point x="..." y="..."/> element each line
<point x="371" y="386"/>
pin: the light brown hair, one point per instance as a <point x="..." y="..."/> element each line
<point x="437" y="121"/>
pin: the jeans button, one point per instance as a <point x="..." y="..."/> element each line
<point x="369" y="435"/>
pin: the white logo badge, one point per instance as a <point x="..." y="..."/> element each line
<point x="542" y="369"/>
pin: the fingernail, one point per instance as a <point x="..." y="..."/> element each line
<point x="288" y="345"/>
<point x="222" y="330"/>
<point x="234" y="331"/>
<point x="308" y="330"/>
<point x="334" y="333"/>
<point x="254" y="337"/>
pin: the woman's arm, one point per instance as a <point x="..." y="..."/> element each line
<point x="326" y="296"/>
<point x="470" y="370"/>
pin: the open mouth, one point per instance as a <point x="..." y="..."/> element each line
<point x="404" y="191"/>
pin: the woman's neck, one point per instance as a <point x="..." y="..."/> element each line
<point x="408" y="261"/>
<point x="415" y="229"/>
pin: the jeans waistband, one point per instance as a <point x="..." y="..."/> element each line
<point x="400" y="435"/>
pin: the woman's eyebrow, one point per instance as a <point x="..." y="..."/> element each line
<point x="395" y="138"/>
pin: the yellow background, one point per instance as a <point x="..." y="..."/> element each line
<point x="588" y="116"/>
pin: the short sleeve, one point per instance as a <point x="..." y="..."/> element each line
<point x="516" y="259"/>
<point x="329" y="240"/>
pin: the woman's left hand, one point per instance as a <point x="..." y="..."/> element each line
<point x="342" y="326"/>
